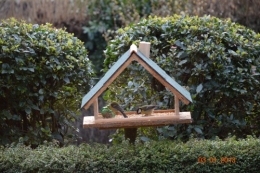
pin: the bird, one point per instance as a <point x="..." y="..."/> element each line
<point x="106" y="112"/>
<point x="147" y="110"/>
<point x="114" y="106"/>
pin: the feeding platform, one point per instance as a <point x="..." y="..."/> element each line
<point x="158" y="117"/>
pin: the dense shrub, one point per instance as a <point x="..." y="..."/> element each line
<point x="211" y="58"/>
<point x="44" y="73"/>
<point x="165" y="156"/>
<point x="105" y="16"/>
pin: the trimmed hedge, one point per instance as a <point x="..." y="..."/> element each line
<point x="210" y="57"/>
<point x="230" y="155"/>
<point x="44" y="73"/>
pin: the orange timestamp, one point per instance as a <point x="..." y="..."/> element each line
<point x="223" y="160"/>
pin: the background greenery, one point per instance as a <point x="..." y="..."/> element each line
<point x="99" y="16"/>
<point x="95" y="23"/>
<point x="44" y="73"/>
<point x="106" y="16"/>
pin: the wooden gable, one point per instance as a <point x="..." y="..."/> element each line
<point x="162" y="117"/>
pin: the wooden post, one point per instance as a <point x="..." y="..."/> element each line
<point x="95" y="104"/>
<point x="131" y="133"/>
<point x="176" y="105"/>
<point x="144" y="47"/>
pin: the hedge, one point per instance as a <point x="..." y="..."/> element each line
<point x="230" y="155"/>
<point x="210" y="57"/>
<point x="44" y="73"/>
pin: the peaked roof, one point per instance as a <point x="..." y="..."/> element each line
<point x="134" y="54"/>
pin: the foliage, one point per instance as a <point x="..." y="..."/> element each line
<point x="44" y="73"/>
<point x="243" y="12"/>
<point x="211" y="58"/>
<point x="105" y="16"/>
<point x="165" y="156"/>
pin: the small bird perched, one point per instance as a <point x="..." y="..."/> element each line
<point x="114" y="106"/>
<point x="106" y="112"/>
<point x="147" y="110"/>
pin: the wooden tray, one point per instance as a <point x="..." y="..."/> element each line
<point x="158" y="118"/>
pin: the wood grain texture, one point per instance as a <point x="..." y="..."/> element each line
<point x="157" y="119"/>
<point x="96" y="112"/>
<point x="144" y="47"/>
<point x="176" y="105"/>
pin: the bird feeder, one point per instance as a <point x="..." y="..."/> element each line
<point x="158" y="118"/>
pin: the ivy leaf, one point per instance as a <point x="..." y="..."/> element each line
<point x="182" y="55"/>
<point x="199" y="88"/>
<point x="145" y="139"/>
<point x="232" y="52"/>
<point x="41" y="91"/>
<point x="66" y="79"/>
<point x="198" y="130"/>
<point x="180" y="44"/>
<point x="130" y="83"/>
<point x="160" y="130"/>
<point x="28" y="110"/>
<point x="57" y="136"/>
<point x="182" y="62"/>
<point x="31" y="69"/>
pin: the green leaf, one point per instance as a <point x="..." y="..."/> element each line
<point x="130" y="84"/>
<point x="145" y="139"/>
<point x="182" y="55"/>
<point x="179" y="44"/>
<point x="199" y="88"/>
<point x="41" y="91"/>
<point x="198" y="130"/>
<point x="232" y="52"/>
<point x="57" y="136"/>
<point x="28" y="110"/>
<point x="31" y="69"/>
<point x="182" y="62"/>
<point x="66" y="79"/>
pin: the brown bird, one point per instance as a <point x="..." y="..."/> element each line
<point x="114" y="106"/>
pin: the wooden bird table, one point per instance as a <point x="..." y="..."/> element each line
<point x="130" y="124"/>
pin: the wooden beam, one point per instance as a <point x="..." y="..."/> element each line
<point x="95" y="105"/>
<point x="161" y="79"/>
<point x="144" y="47"/>
<point x="113" y="77"/>
<point x="134" y="122"/>
<point x="176" y="105"/>
<point x="155" y="112"/>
